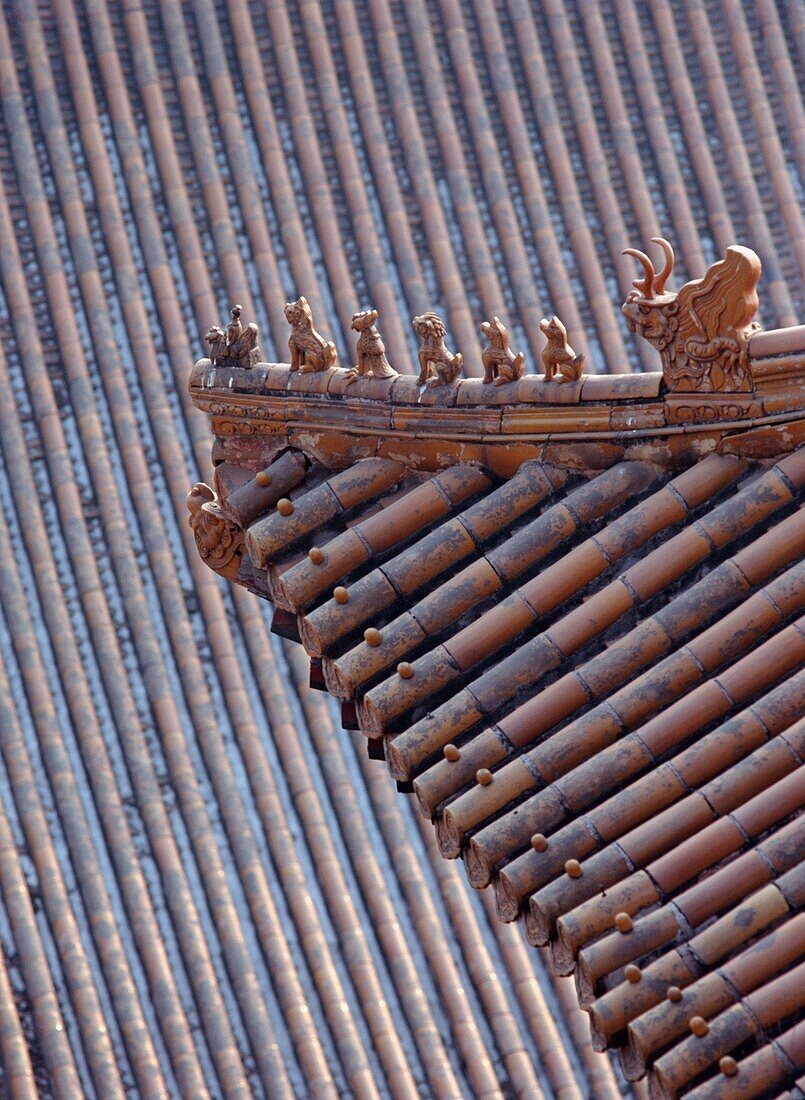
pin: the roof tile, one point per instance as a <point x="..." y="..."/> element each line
<point x="115" y="219"/>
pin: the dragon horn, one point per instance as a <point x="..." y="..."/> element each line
<point x="643" y="285"/>
<point x="660" y="280"/>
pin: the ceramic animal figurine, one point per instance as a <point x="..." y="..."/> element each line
<point x="438" y="366"/>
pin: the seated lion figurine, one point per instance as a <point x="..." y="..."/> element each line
<point x="309" y="350"/>
<point x="438" y="366"/>
<point x="500" y="363"/>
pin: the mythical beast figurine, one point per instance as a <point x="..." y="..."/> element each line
<point x="501" y="365"/>
<point x="702" y="331"/>
<point x="370" y="349"/>
<point x="557" y="355"/>
<point x="219" y="542"/>
<point x="309" y="350"/>
<point x="237" y="346"/>
<point x="438" y="366"/>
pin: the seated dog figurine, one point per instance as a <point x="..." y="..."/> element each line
<point x="558" y="355"/>
<point x="500" y="363"/>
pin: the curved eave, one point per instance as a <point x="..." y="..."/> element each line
<point x="557" y="617"/>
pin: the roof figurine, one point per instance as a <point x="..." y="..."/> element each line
<point x="370" y="349"/>
<point x="702" y="331"/>
<point x="237" y="347"/>
<point x="234" y="329"/>
<point x="558" y="355"/>
<point x="310" y="352"/>
<point x="500" y="363"/>
<point x="438" y="366"/>
<point x="219" y="542"/>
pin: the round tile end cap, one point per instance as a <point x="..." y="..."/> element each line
<point x="623" y="923"/>
<point x="573" y="868"/>
<point x="632" y="973"/>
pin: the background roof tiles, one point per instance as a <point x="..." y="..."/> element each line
<point x="207" y="888"/>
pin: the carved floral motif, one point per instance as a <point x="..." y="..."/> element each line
<point x="702" y="331"/>
<point x="220" y="408"/>
<point x="237" y="427"/>
<point x="438" y="366"/>
<point x="704" y="413"/>
<point x="500" y="363"/>
<point x="219" y="542"/>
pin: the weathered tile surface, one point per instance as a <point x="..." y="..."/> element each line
<point x="209" y="889"/>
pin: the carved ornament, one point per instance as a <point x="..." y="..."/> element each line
<point x="698" y="412"/>
<point x="370" y="349"/>
<point x="438" y="366"/>
<point x="702" y="331"/>
<point x="221" y="408"/>
<point x="501" y="365"/>
<point x="238" y="427"/>
<point x="237" y="346"/>
<point x="309" y="350"/>
<point x="558" y="357"/>
<point x="219" y="542"/>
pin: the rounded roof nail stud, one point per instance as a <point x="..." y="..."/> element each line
<point x="674" y="993"/>
<point x="452" y="753"/>
<point x="632" y="973"/>
<point x="728" y="1066"/>
<point x="698" y="1026"/>
<point x="573" y="868"/>
<point x="405" y="670"/>
<point x="539" y="842"/>
<point x="623" y="922"/>
<point x="372" y="636"/>
<point x="316" y="555"/>
<point x="340" y="594"/>
<point x="284" y="506"/>
<point x="484" y="776"/>
<point x="263" y="479"/>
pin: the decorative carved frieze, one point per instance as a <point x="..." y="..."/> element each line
<point x="237" y="427"/>
<point x="702" y="331"/>
<point x="690" y="409"/>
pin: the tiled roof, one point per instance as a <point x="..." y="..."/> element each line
<point x="584" y="656"/>
<point x="208" y="888"/>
